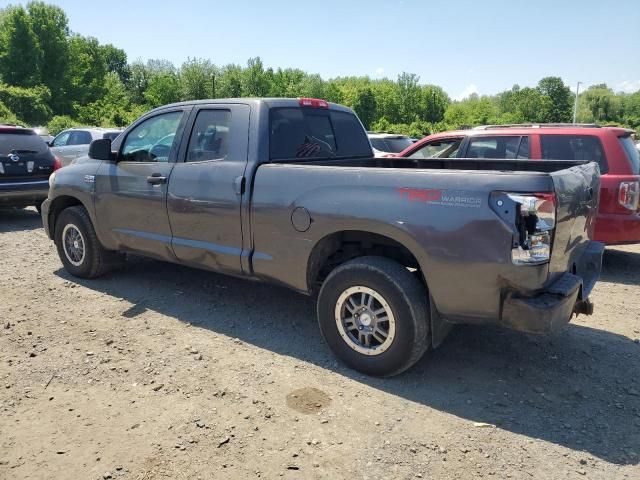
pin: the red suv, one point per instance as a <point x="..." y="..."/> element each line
<point x="613" y="148"/>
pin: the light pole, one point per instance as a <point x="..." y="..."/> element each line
<point x="575" y="104"/>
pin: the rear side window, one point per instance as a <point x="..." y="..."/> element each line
<point x="315" y="133"/>
<point x="210" y="136"/>
<point x="500" y="146"/>
<point x="79" y="137"/>
<point x="21" y="142"/>
<point x="574" y="147"/>
<point x="632" y="154"/>
<point x="441" y="148"/>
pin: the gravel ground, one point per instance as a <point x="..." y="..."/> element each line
<point x="161" y="371"/>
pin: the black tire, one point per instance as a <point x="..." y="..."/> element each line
<point x="403" y="293"/>
<point x="95" y="260"/>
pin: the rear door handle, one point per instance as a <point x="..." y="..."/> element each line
<point x="156" y="179"/>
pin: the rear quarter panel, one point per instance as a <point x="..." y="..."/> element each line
<point x="442" y="217"/>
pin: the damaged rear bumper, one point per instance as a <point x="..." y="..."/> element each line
<point x="552" y="308"/>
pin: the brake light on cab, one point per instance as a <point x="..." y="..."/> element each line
<point x="313" y="103"/>
<point x="629" y="195"/>
<point x="533" y="216"/>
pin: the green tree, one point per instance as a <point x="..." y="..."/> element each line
<point x="599" y="104"/>
<point x="365" y="106"/>
<point x="409" y="97"/>
<point x="20" y="53"/>
<point x="116" y="62"/>
<point x="560" y="106"/>
<point x="196" y="78"/>
<point x="60" y="123"/>
<point x="255" y="81"/>
<point x="433" y="103"/>
<point x="7" y="116"/>
<point x="229" y="82"/>
<point x="86" y="72"/>
<point x="111" y="109"/>
<point x="162" y="89"/>
<point x="51" y="28"/>
<point x="28" y="104"/>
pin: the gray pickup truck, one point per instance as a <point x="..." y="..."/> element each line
<point x="288" y="191"/>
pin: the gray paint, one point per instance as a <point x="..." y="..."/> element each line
<point x="199" y="217"/>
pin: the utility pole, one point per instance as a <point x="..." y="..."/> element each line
<point x="575" y="104"/>
<point x="213" y="86"/>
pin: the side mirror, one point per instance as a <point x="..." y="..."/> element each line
<point x="101" y="149"/>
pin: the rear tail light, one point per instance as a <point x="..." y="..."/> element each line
<point x="535" y="219"/>
<point x="629" y="195"/>
<point x="313" y="102"/>
<point x="57" y="163"/>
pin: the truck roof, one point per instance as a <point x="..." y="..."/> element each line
<point x="274" y="102"/>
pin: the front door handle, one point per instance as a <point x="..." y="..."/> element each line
<point x="156" y="179"/>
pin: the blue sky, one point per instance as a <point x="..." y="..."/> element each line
<point x="463" y="46"/>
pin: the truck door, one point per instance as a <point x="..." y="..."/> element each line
<point x="206" y="188"/>
<point x="131" y="193"/>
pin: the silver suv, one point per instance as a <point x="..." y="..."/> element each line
<point x="74" y="142"/>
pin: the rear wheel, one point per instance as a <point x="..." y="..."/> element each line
<point x="373" y="313"/>
<point x="79" y="249"/>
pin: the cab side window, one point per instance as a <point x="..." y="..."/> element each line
<point x="210" y="136"/>
<point x="442" y="148"/>
<point x="153" y="140"/>
<point x="61" y="139"/>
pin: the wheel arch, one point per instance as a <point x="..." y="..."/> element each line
<point x="59" y="204"/>
<point x="341" y="246"/>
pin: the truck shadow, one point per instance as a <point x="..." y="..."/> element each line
<point x="16" y="220"/>
<point x="579" y="389"/>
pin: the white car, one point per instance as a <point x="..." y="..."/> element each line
<point x="385" y="144"/>
<point x="74" y="142"/>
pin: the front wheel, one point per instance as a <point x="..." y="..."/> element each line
<point x="373" y="313"/>
<point x="79" y="249"/>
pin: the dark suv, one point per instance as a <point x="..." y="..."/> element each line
<point x="25" y="165"/>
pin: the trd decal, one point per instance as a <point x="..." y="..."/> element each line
<point x="420" y="194"/>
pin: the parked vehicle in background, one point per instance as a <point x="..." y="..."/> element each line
<point x="25" y="165"/>
<point x="287" y="191"/>
<point x="74" y="142"/>
<point x="612" y="148"/>
<point x="388" y="143"/>
<point x="44" y="134"/>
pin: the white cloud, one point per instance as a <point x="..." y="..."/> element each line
<point x="379" y="71"/>
<point x="471" y="89"/>
<point x="628" y="86"/>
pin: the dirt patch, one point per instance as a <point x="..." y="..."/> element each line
<point x="308" y="400"/>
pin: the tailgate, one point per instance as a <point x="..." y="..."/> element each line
<point x="20" y="166"/>
<point x="577" y="193"/>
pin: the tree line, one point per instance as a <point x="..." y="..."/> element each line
<point x="52" y="76"/>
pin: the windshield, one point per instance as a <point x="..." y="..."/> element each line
<point x="632" y="154"/>
<point x="391" y="144"/>
<point x="315" y="133"/>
